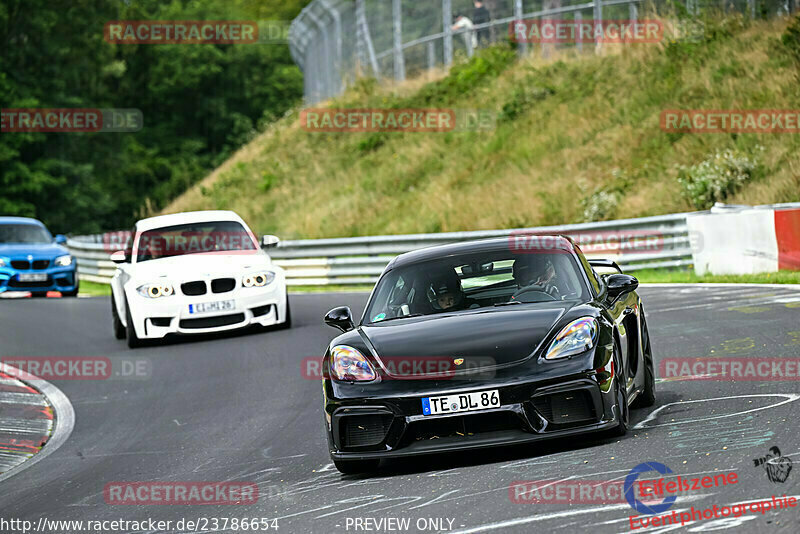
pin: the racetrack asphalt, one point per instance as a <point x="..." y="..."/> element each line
<point x="237" y="408"/>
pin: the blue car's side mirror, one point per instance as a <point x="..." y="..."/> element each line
<point x="61" y="239"/>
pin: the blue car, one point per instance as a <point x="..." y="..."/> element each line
<point x="32" y="260"/>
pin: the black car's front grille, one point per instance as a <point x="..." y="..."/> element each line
<point x="16" y="283"/>
<point x="464" y="425"/>
<point x="41" y="264"/>
<point x="21" y="265"/>
<point x="211" y="322"/>
<point x="195" y="288"/>
<point x="364" y="430"/>
<point x="222" y="285"/>
<point x="565" y="408"/>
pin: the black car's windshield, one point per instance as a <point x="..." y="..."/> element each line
<point x="24" y="233"/>
<point x="472" y="281"/>
<point x="194" y="238"/>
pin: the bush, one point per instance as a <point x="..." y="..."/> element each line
<point x="716" y="178"/>
<point x="601" y="204"/>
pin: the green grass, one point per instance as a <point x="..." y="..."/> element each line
<point x="577" y="137"/>
<point x="94" y="289"/>
<point x="662" y="276"/>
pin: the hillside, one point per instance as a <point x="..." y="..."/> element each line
<point x="577" y="138"/>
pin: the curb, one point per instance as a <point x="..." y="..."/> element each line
<point x="50" y="417"/>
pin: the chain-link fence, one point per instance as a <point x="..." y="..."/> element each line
<point x="335" y="41"/>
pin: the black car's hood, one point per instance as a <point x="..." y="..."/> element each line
<point x="483" y="338"/>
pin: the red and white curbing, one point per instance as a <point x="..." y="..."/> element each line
<point x="749" y="241"/>
<point x="35" y="419"/>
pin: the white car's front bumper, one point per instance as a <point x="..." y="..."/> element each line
<point x="156" y="318"/>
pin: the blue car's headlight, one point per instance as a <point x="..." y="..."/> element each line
<point x="2" y="262"/>
<point x="578" y="336"/>
<point x="63" y="261"/>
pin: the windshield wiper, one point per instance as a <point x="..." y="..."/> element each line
<point x="398" y="317"/>
<point x="509" y="303"/>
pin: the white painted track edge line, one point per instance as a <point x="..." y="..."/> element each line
<point x="63" y="418"/>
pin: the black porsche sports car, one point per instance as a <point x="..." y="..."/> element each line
<point x="482" y="343"/>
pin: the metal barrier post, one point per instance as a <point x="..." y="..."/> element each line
<point x="522" y="46"/>
<point x="598" y="19"/>
<point x="397" y="31"/>
<point x="447" y="22"/>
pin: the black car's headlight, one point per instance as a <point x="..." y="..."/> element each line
<point x="348" y="364"/>
<point x="578" y="336"/>
<point x="259" y="279"/>
<point x="157" y="290"/>
<point x="63" y="261"/>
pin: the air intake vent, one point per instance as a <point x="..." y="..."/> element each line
<point x="565" y="408"/>
<point x="364" y="430"/>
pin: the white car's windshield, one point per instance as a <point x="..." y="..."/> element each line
<point x="472" y="281"/>
<point x="194" y="238"/>
<point x="23" y="233"/>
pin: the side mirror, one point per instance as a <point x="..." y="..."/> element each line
<point x="341" y="318"/>
<point x="269" y="241"/>
<point x="119" y="257"/>
<point x="620" y="284"/>
<point x="60" y="239"/>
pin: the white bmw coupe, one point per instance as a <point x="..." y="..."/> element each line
<point x="195" y="273"/>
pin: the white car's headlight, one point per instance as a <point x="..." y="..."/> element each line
<point x="578" y="336"/>
<point x="259" y="279"/>
<point x="63" y="261"/>
<point x="157" y="290"/>
<point x="349" y="364"/>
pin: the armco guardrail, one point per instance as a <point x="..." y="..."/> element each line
<point x="360" y="260"/>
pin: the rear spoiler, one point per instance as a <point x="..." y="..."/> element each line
<point x="609" y="264"/>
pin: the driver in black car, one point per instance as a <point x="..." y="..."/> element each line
<point x="535" y="272"/>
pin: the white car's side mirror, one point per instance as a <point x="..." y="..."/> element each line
<point x="269" y="241"/>
<point x="119" y="257"/>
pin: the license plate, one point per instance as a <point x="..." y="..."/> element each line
<point x="33" y="277"/>
<point x="463" y="402"/>
<point x="212" y="307"/>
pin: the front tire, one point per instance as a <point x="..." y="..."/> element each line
<point x="288" y="322"/>
<point x="130" y="331"/>
<point x="355" y="467"/>
<point x="119" y="328"/>
<point x="648" y="396"/>
<point x="74" y="292"/>
<point x="621" y="396"/>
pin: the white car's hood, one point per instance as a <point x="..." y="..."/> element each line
<point x="199" y="266"/>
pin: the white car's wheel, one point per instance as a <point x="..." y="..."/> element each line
<point x="130" y="331"/>
<point x="119" y="328"/>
